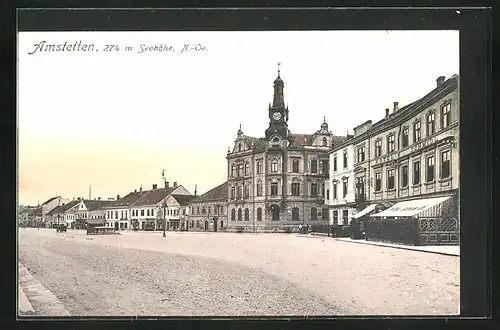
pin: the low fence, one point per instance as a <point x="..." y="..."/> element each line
<point x="413" y="231"/>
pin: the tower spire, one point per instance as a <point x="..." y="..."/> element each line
<point x="279" y="64"/>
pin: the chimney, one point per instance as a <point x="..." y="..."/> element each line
<point x="98" y="198"/>
<point x="117" y="197"/>
<point x="440" y="80"/>
<point x="78" y="198"/>
<point x="195" y="189"/>
<point x="135" y="190"/>
<point x="167" y="184"/>
<point x="386" y="112"/>
<point x="396" y="107"/>
<point x="140" y="188"/>
<point x="175" y="184"/>
<point x="154" y="186"/>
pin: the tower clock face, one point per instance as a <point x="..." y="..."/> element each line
<point x="276" y="116"/>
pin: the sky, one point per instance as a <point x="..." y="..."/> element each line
<point x="115" y="119"/>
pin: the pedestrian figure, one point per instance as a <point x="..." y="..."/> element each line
<point x="300" y="228"/>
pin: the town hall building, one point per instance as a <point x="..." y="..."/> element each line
<point x="277" y="182"/>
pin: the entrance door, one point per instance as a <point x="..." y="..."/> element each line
<point x="275" y="212"/>
<point x="116" y="225"/>
<point x="215" y="225"/>
<point x="206" y="225"/>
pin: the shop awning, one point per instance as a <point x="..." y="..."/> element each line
<point x="365" y="211"/>
<point x="415" y="207"/>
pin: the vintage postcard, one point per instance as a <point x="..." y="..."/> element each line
<point x="239" y="173"/>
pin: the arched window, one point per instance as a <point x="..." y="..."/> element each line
<point x="239" y="146"/>
<point x="325" y="142"/>
<point x="259" y="214"/>
<point x="233" y="171"/>
<point x="274" y="165"/>
<point x="259" y="187"/>
<point x="295" y="214"/>
<point x="239" y="214"/>
<point x="275" y="209"/>
<point x="233" y="215"/>
<point x="314" y="213"/>
<point x="247" y="169"/>
<point x="247" y="214"/>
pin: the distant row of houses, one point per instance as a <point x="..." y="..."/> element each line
<point x="169" y="208"/>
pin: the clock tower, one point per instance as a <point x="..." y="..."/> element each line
<point x="278" y="113"/>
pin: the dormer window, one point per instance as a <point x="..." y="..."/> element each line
<point x="239" y="147"/>
<point x="325" y="142"/>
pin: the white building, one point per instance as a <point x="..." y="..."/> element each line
<point x="117" y="214"/>
<point x="340" y="194"/>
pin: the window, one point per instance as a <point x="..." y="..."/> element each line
<point x="239" y="214"/>
<point x="378" y="181"/>
<point x="203" y="211"/>
<point x="431" y="124"/>
<point x="295" y="214"/>
<point x="233" y="215"/>
<point x="325" y="142"/>
<point x="142" y="214"/>
<point x="344" y="188"/>
<point x="259" y="214"/>
<point x="416" y="132"/>
<point x="233" y="191"/>
<point x="416" y="172"/>
<point x="247" y="214"/>
<point x="247" y="191"/>
<point x="274" y="166"/>
<point x="328" y="194"/>
<point x="404" y="176"/>
<point x="295" y="188"/>
<point x="274" y="188"/>
<point x="445" y="164"/>
<point x="335" y="217"/>
<point x="390" y="143"/>
<point x="361" y="154"/>
<point x="446" y="115"/>
<point x="233" y="171"/>
<point x="378" y="148"/>
<point x="259" y="167"/>
<point x="239" y="146"/>
<point x="345" y="217"/>
<point x="295" y="166"/>
<point x="390" y="179"/>
<point x="335" y="163"/>
<point x="240" y="170"/>
<point x="239" y="192"/>
<point x="247" y="169"/>
<point x="325" y="214"/>
<point x="335" y="190"/>
<point x="406" y="133"/>
<point x="314" y="189"/>
<point x="321" y="168"/>
<point x="222" y="210"/>
<point x="259" y="188"/>
<point x="314" y="166"/>
<point x="429" y="172"/>
<point x="147" y="213"/>
<point x="322" y="189"/>
<point x="209" y="210"/>
<point x="345" y="159"/>
<point x="314" y="213"/>
<point x="325" y="166"/>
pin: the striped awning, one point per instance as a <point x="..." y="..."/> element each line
<point x="413" y="208"/>
<point x="365" y="211"/>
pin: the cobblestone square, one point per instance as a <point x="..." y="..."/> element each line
<point x="231" y="274"/>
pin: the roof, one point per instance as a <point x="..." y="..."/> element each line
<point x="411" y="208"/>
<point x="94" y="205"/>
<point x="153" y="197"/>
<point x="216" y="194"/>
<point x="51" y="199"/>
<point x="63" y="208"/>
<point x="128" y="200"/>
<point x="184" y="199"/>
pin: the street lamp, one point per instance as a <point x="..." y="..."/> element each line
<point x="164" y="217"/>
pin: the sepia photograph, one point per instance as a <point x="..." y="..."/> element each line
<point x="238" y="173"/>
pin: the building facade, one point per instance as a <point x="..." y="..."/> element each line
<point x="340" y="196"/>
<point x="48" y="206"/>
<point x="277" y="182"/>
<point x="413" y="153"/>
<point x="208" y="212"/>
<point x="117" y="213"/>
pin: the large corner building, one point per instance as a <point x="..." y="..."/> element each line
<point x="277" y="181"/>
